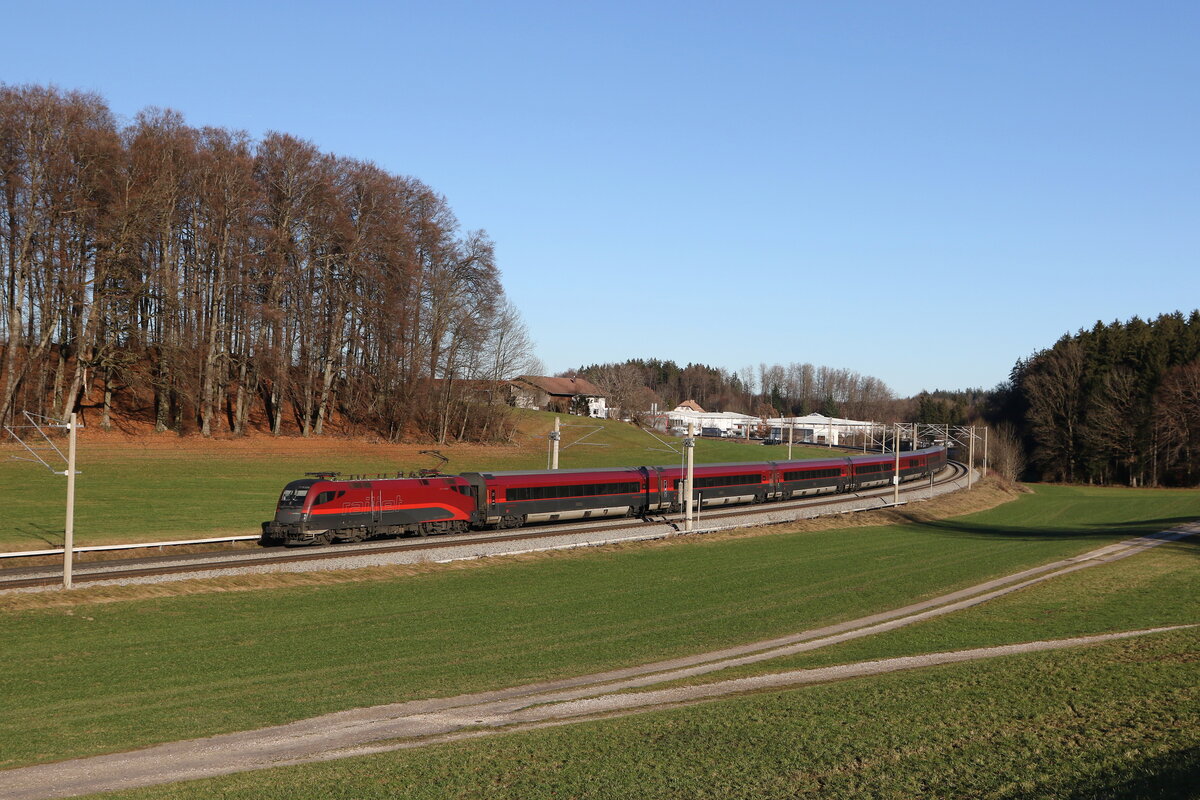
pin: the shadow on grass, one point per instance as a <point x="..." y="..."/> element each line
<point x="1171" y="776"/>
<point x="1113" y="531"/>
<point x="51" y="537"/>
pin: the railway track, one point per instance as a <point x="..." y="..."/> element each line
<point x="195" y="564"/>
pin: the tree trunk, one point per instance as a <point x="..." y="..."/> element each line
<point x="106" y="412"/>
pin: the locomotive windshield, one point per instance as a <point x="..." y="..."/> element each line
<point x="294" y="494"/>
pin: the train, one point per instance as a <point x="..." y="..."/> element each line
<point x="321" y="508"/>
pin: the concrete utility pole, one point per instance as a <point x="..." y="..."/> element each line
<point x="896" y="477"/>
<point x="985" y="454"/>
<point x="791" y="427"/>
<point x="69" y="536"/>
<point x="555" y="436"/>
<point x="690" y="444"/>
<point x="35" y="454"/>
<point x="970" y="456"/>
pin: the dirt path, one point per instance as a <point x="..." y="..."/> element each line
<point x="422" y="722"/>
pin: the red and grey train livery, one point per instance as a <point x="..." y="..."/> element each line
<point x="322" y="509"/>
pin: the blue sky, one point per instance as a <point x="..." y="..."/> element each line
<point x="920" y="191"/>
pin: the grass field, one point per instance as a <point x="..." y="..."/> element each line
<point x="94" y="678"/>
<point x="167" y="487"/>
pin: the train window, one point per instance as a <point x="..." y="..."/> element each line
<point x="727" y="480"/>
<point x="324" y="497"/>
<point x="293" y="497"/>
<point x="812" y="474"/>
<point x="581" y="490"/>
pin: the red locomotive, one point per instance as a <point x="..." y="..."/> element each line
<point x="320" y="509"/>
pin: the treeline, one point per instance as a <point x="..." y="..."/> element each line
<point x="1116" y="404"/>
<point x="775" y="390"/>
<point x="226" y="280"/>
<point x="942" y="407"/>
<point x="1119" y="403"/>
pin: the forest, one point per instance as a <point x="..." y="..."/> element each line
<point x="1116" y="404"/>
<point x="211" y="282"/>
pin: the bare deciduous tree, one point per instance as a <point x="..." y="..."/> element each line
<point x="215" y="273"/>
<point x="1055" y="391"/>
<point x="1006" y="453"/>
<point x="1177" y="421"/>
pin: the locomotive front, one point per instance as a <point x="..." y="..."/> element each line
<point x="289" y="513"/>
<point x="320" y="511"/>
